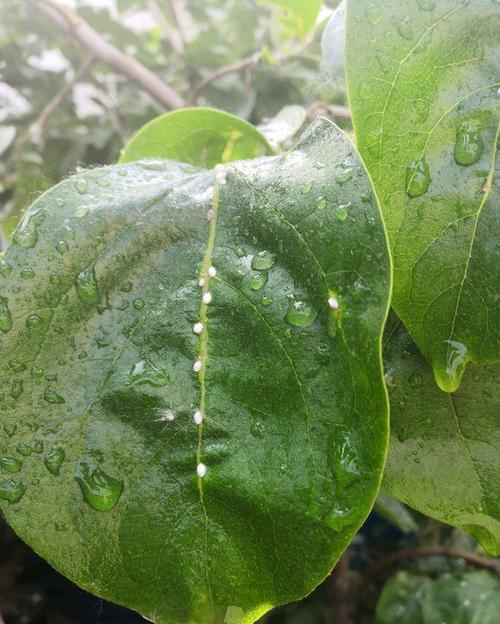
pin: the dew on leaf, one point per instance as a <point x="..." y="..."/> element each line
<point x="34" y="322"/>
<point x="24" y="449"/>
<point x="301" y="314"/>
<point x="416" y="380"/>
<point x="59" y="202"/>
<point x="126" y="287"/>
<point x="38" y="446"/>
<point x="5" y="315"/>
<point x="27" y="274"/>
<point x="342" y="213"/>
<point x="17" y="366"/>
<point x="26" y="235"/>
<point x="37" y="372"/>
<point x="52" y="398"/>
<point x="12" y="491"/>
<point x="55" y="278"/>
<point x="62" y="247"/>
<point x="257" y="429"/>
<point x="82" y="186"/>
<point x="263" y="261"/>
<point x="469" y="145"/>
<point x="146" y="372"/>
<point x="100" y="490"/>
<point x="266" y="301"/>
<point x="344" y="177"/>
<point x="87" y="287"/>
<point x="53" y="460"/>
<point x="258" y="280"/>
<point x="11" y="464"/>
<point x="9" y="428"/>
<point x="418" y="178"/>
<point x="16" y="389"/>
<point x="306" y="188"/>
<point x="321" y="203"/>
<point x="139" y="304"/>
<point x="405" y="28"/>
<point x="81" y="211"/>
<point x="5" y="268"/>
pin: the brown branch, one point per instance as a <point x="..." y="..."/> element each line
<point x="77" y="28"/>
<point x="332" y="110"/>
<point x="431" y="551"/>
<point x="36" y="132"/>
<point x="245" y="63"/>
<point x="339" y="593"/>
<point x="178" y="19"/>
<point x="172" y="35"/>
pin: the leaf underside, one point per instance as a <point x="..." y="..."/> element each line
<point x="443" y="456"/>
<point x="425" y="110"/>
<point x="99" y="296"/>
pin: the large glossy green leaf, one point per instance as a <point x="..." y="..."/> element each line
<point x="423" y="81"/>
<point x="103" y="374"/>
<point x="470" y="598"/>
<point x="203" y="137"/>
<point x="444" y="457"/>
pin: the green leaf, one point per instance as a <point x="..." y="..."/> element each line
<point x="395" y="512"/>
<point x="444" y="450"/>
<point x="203" y="137"/>
<point x="97" y="372"/>
<point x="423" y="80"/>
<point x="300" y="16"/>
<point x="285" y="125"/>
<point x="471" y="598"/>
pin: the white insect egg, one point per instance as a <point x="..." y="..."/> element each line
<point x="207" y="298"/>
<point x="198" y="328"/>
<point x="201" y="470"/>
<point x="210" y="214"/>
<point x="212" y="271"/>
<point x="333" y="302"/>
<point x="220" y="175"/>
<point x="198" y="417"/>
<point x="201" y="282"/>
<point x="167" y="415"/>
<point x="197" y="366"/>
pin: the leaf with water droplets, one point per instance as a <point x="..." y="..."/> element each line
<point x="206" y="437"/>
<point x="444" y="455"/>
<point x="427" y="126"/>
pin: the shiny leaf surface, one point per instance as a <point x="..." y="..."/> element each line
<point x="423" y="81"/>
<point x="197" y="453"/>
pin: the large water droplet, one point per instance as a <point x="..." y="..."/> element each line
<point x="16" y="389"/>
<point x="34" y="322"/>
<point x="5" y="268"/>
<point x="17" y="366"/>
<point x="416" y="380"/>
<point x="146" y="372"/>
<point x="418" y="178"/>
<point x="139" y="304"/>
<point x="27" y="274"/>
<point x="263" y="261"/>
<point x="52" y="397"/>
<point x="24" y="449"/>
<point x="301" y="314"/>
<point x="469" y="144"/>
<point x="26" y="234"/>
<point x="5" y="315"/>
<point x="257" y="429"/>
<point x="99" y="490"/>
<point x="62" y="247"/>
<point x="82" y="186"/>
<point x="344" y="177"/>
<point x="12" y="491"/>
<point x="258" y="280"/>
<point x="87" y="287"/>
<point x="53" y="460"/>
<point x="11" y="464"/>
<point x="10" y="428"/>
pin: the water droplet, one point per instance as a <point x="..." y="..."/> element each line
<point x="123" y="305"/>
<point x="301" y="314"/>
<point x="87" y="287"/>
<point x="469" y="144"/>
<point x="16" y="389"/>
<point x="59" y="202"/>
<point x="342" y="213"/>
<point x="38" y="446"/>
<point x="24" y="449"/>
<point x="99" y="490"/>
<point x="344" y="177"/>
<point x="62" y="247"/>
<point x="240" y="252"/>
<point x="418" y="178"/>
<point x="26" y="235"/>
<point x="53" y="460"/>
<point x="257" y="429"/>
<point x="306" y="188"/>
<point x="405" y="28"/>
<point x="5" y="268"/>
<point x="34" y="322"/>
<point x="139" y="304"/>
<point x="52" y="397"/>
<point x="11" y="464"/>
<point x="258" y="280"/>
<point x="416" y="380"/>
<point x="82" y="186"/>
<point x="266" y="301"/>
<point x="146" y="372"/>
<point x="12" y="491"/>
<point x="321" y="203"/>
<point x="17" y="366"/>
<point x="10" y="428"/>
<point x="27" y="274"/>
<point x="37" y="372"/>
<point x="126" y="287"/>
<point x="263" y="261"/>
<point x="81" y="211"/>
<point x="5" y="315"/>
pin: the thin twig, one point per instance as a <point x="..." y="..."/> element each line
<point x="431" y="551"/>
<point x="176" y="14"/>
<point x="76" y="27"/>
<point x="244" y="63"/>
<point x="340" y="593"/>
<point x="36" y="132"/>
<point x="172" y="35"/>
<point x="332" y="110"/>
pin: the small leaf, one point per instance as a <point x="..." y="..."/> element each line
<point x="210" y="458"/>
<point x="395" y="512"/>
<point x="423" y="82"/>
<point x="203" y="137"/>
<point x="300" y="17"/>
<point x="444" y="450"/>
<point x="284" y="126"/>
